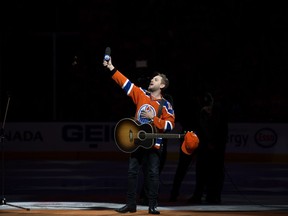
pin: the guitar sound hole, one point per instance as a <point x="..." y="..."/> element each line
<point x="141" y="135"/>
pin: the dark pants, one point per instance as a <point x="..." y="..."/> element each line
<point x="144" y="190"/>
<point x="150" y="159"/>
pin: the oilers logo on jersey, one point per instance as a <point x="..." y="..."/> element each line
<point x="145" y="107"/>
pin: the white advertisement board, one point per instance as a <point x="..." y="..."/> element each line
<point x="99" y="136"/>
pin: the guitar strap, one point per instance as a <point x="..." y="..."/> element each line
<point x="160" y="108"/>
<point x="164" y="141"/>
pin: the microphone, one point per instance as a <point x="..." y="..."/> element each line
<point x="107" y="54"/>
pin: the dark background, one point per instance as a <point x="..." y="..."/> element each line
<point x="235" y="49"/>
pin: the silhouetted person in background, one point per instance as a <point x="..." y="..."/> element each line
<point x="188" y="122"/>
<point x="210" y="155"/>
<point x="211" y="127"/>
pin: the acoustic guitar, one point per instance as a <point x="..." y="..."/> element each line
<point x="129" y="135"/>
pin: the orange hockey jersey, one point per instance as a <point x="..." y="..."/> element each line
<point x="143" y="101"/>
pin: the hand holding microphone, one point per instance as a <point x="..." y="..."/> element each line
<point x="107" y="59"/>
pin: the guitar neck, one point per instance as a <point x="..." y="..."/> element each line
<point x="164" y="135"/>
